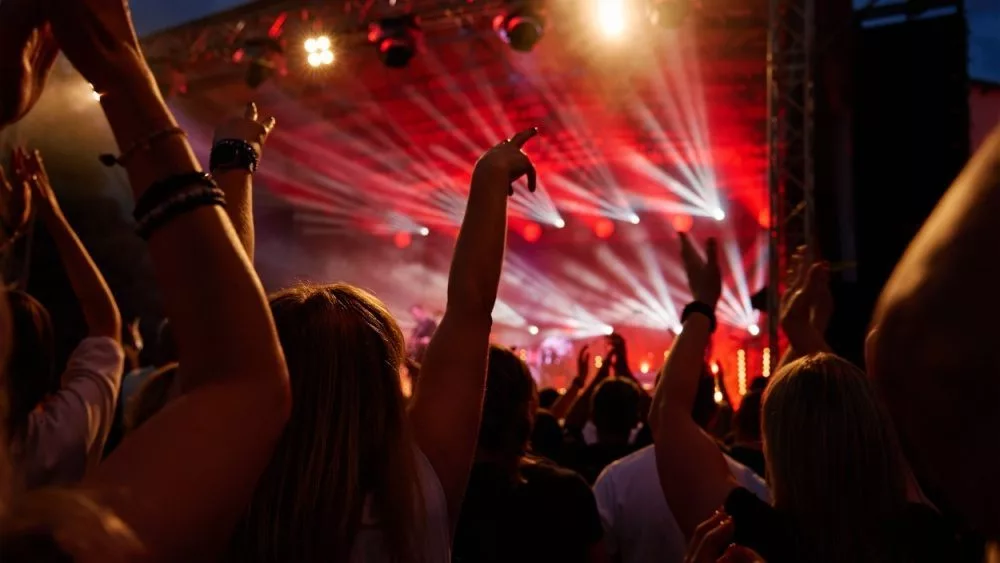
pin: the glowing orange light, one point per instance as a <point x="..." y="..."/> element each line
<point x="715" y="368"/>
<point x="764" y="219"/>
<point x="604" y="228"/>
<point x="402" y="239"/>
<point x="682" y="223"/>
<point x="644" y="367"/>
<point x="532" y="232"/>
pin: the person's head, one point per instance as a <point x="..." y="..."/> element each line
<point x="833" y="461"/>
<point x="547" y="397"/>
<point x="615" y="406"/>
<point x="509" y="406"/>
<point x="31" y="364"/>
<point x="747" y="419"/>
<point x="705" y="409"/>
<point x="348" y="442"/>
<point x="547" y="436"/>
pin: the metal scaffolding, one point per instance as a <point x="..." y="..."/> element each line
<point x="791" y="59"/>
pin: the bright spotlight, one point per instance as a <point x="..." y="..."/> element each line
<point x="634" y="219"/>
<point x="644" y="367"/>
<point x="611" y="17"/>
<point x="608" y="330"/>
<point x="319" y="52"/>
<point x="521" y="26"/>
<point x="754" y="330"/>
<point x="533" y="330"/>
<point x="718" y="214"/>
<point x="718" y="396"/>
<point x="560" y="224"/>
<point x="424" y="231"/>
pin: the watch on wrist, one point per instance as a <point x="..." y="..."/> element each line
<point x="233" y="154"/>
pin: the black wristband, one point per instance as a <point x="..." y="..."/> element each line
<point x="233" y="154"/>
<point x="179" y="204"/>
<point x="700" y="308"/>
<point x="163" y="190"/>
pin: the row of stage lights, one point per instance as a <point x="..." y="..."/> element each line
<point x="521" y="25"/>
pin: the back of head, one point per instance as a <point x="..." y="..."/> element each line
<point x="508" y="409"/>
<point x="347" y="445"/>
<point x="615" y="406"/>
<point x="833" y="460"/>
<point x="548" y="397"/>
<point x="547" y="436"/>
<point x="31" y="364"/>
<point x="747" y="419"/>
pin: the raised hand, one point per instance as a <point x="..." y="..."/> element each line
<point x="710" y="539"/>
<point x="15" y="206"/>
<point x="27" y="52"/>
<point x="582" y="367"/>
<point x="250" y="127"/>
<point x="509" y="161"/>
<point x="807" y="304"/>
<point x="97" y="37"/>
<point x="31" y="172"/>
<point x="703" y="274"/>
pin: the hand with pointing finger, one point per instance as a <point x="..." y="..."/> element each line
<point x="506" y="160"/>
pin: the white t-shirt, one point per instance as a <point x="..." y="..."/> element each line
<point x="369" y="546"/>
<point x="638" y="524"/>
<point x="66" y="433"/>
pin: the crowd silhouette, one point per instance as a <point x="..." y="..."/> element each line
<point x="275" y="428"/>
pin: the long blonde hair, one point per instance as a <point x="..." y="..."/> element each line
<point x="348" y="444"/>
<point x="833" y="459"/>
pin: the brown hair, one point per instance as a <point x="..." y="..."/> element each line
<point x="31" y="369"/>
<point x="348" y="444"/>
<point x="833" y="460"/>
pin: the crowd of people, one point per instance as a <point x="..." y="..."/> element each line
<point x="275" y="428"/>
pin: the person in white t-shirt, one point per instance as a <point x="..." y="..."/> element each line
<point x="58" y="424"/>
<point x="638" y="524"/>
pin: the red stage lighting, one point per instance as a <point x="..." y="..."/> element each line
<point x="402" y="239"/>
<point x="532" y="232"/>
<point x="604" y="228"/>
<point x="682" y="223"/>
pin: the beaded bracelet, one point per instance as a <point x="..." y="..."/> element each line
<point x="161" y="191"/>
<point x="233" y="154"/>
<point x="144" y="143"/>
<point x="177" y="205"/>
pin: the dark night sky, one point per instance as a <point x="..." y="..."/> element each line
<point x="984" y="23"/>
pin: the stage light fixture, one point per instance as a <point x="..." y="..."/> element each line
<point x="754" y="330"/>
<point x="634" y="219"/>
<point x="718" y="214"/>
<point x="560" y="224"/>
<point x="319" y="51"/>
<point x="262" y="54"/>
<point x="402" y="239"/>
<point x="608" y="330"/>
<point x="604" y="228"/>
<point x="424" y="231"/>
<point x="682" y="223"/>
<point x="396" y="39"/>
<point x="521" y="25"/>
<point x="644" y="367"/>
<point x="533" y="330"/>
<point x="532" y="232"/>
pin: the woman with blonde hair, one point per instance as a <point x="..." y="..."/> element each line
<point x="838" y="479"/>
<point x="359" y="475"/>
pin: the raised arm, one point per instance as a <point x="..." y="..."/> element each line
<point x="96" y="301"/>
<point x="448" y="400"/>
<point x="562" y="405"/>
<point x="806" y="308"/>
<point x="932" y="350"/>
<point x="183" y="478"/>
<point x="236" y="151"/>
<point x="693" y="472"/>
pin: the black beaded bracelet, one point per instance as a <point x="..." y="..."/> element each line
<point x="700" y="308"/>
<point x="178" y="205"/>
<point x="163" y="190"/>
<point x="233" y="154"/>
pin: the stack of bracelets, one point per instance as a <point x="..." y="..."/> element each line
<point x="181" y="193"/>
